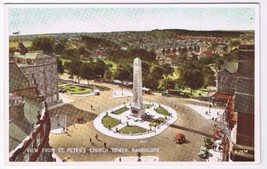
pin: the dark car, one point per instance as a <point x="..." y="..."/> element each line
<point x="165" y="94"/>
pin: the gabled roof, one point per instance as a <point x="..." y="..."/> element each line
<point x="229" y="66"/>
<point x="17" y="81"/>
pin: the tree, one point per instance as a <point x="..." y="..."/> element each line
<point x="193" y="79"/>
<point x="99" y="68"/>
<point x="124" y="73"/>
<point x="209" y="80"/>
<point x="209" y="77"/>
<point x="180" y="84"/>
<point x="168" y="70"/>
<point x="109" y="75"/>
<point x="155" y="75"/>
<point x="71" y="53"/>
<point x="167" y="83"/>
<point x="60" y="68"/>
<point x="60" y="46"/>
<point x="44" y="43"/>
<point x="86" y="72"/>
<point x="74" y="68"/>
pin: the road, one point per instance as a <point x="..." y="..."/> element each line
<point x="192" y="124"/>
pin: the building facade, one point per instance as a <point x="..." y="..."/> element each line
<point x="243" y="148"/>
<point x="41" y="70"/>
<point x="29" y="122"/>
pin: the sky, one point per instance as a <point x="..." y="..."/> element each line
<point x="39" y="20"/>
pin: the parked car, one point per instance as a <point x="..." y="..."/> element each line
<point x="179" y="138"/>
<point x="165" y="94"/>
<point x="80" y="119"/>
<point x="203" y="152"/>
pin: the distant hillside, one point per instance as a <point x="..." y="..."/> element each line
<point x="165" y="33"/>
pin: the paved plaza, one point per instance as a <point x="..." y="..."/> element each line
<point x="83" y="136"/>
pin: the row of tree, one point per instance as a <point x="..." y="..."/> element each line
<point x="194" y="74"/>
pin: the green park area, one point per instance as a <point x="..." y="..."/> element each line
<point x="132" y="130"/>
<point x="113" y="66"/>
<point x="73" y="89"/>
<point x="14" y="44"/>
<point x="147" y="106"/>
<point x="121" y="110"/>
<point x="195" y="93"/>
<point x="161" y="110"/>
<point x="109" y="121"/>
<point x="157" y="122"/>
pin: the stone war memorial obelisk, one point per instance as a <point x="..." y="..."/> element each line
<point x="137" y="105"/>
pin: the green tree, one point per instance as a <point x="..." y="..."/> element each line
<point x="60" y="46"/>
<point x="99" y="68"/>
<point x="44" y="43"/>
<point x="168" y="70"/>
<point x="74" y="68"/>
<point x="71" y="53"/>
<point x="109" y="75"/>
<point x="192" y="78"/>
<point x="124" y="73"/>
<point x="60" y="68"/>
<point x="86" y="72"/>
<point x="155" y="75"/>
<point x="167" y="83"/>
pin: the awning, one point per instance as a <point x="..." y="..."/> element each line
<point x="222" y="96"/>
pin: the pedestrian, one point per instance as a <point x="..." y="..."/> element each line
<point x="119" y="159"/>
<point x="105" y="144"/>
<point x="91" y="107"/>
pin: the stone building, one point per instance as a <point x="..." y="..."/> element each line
<point x="236" y="87"/>
<point x="28" y="120"/>
<point x="243" y="148"/>
<point x="40" y="69"/>
<point x="227" y="78"/>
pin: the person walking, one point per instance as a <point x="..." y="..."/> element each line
<point x="96" y="136"/>
<point x="105" y="144"/>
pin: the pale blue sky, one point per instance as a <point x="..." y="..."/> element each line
<point x="58" y="20"/>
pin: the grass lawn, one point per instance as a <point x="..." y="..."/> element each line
<point x="195" y="93"/>
<point x="108" y="121"/>
<point x="26" y="43"/>
<point x="114" y="65"/>
<point x="147" y="106"/>
<point x="157" y="122"/>
<point x="121" y="110"/>
<point x="74" y="89"/>
<point x="161" y="110"/>
<point x="132" y="130"/>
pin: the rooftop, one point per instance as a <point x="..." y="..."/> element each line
<point x="230" y="66"/>
<point x="17" y="81"/>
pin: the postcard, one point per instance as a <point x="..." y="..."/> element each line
<point x="133" y="84"/>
